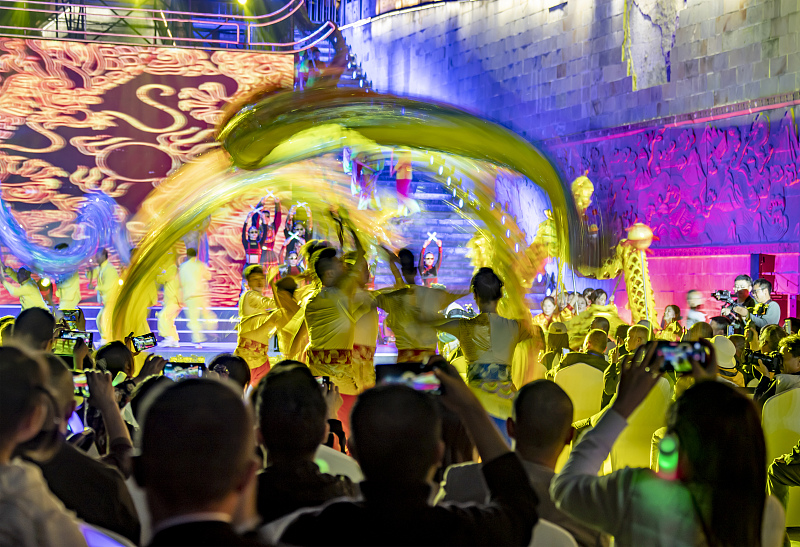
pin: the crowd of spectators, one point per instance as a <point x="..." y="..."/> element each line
<point x="141" y="459"/>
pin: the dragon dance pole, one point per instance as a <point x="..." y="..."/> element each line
<point x="644" y="286"/>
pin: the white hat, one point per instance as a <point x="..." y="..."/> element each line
<point x="726" y="352"/>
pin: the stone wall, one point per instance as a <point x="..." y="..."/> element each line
<point x="547" y="68"/>
<point x="680" y="111"/>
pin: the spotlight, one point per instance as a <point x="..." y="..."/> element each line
<point x="120" y="281"/>
<point x="508" y="233"/>
<point x="449" y="181"/>
<point x="44" y="282"/>
<point x="242" y="2"/>
<point x="441" y="169"/>
<point x="460" y="202"/>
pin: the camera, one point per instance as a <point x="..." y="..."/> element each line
<point x="725" y="297"/>
<point x="773" y="361"/>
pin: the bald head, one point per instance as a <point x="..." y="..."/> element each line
<point x="601" y="323"/>
<point x="542" y="418"/>
<point x="698" y="331"/>
<point x="596" y="340"/>
<point x="384" y="421"/>
<point x="637" y="336"/>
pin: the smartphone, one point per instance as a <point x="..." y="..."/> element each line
<point x="177" y="372"/>
<point x="81" y="386"/>
<point x="143" y="342"/>
<point x="87" y="337"/>
<point x="63" y="346"/>
<point x="787" y="326"/>
<point x="71" y="317"/>
<point x="415" y="375"/>
<point x="677" y="354"/>
<point x="325" y="381"/>
<point x="731" y="330"/>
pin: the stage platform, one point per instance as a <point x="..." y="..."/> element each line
<point x="222" y="339"/>
<point x="384" y="355"/>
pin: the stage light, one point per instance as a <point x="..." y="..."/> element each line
<point x="441" y="169"/>
<point x="539" y="278"/>
<point x="120" y="281"/>
<point x="242" y="2"/>
<point x="449" y="180"/>
<point x="508" y="233"/>
<point x="516" y="248"/>
<point x="460" y="203"/>
<point x="45" y="282"/>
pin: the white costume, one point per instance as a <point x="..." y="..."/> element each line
<point x="194" y="277"/>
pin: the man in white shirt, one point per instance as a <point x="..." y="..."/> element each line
<point x="194" y="277"/>
<point x="28" y="291"/>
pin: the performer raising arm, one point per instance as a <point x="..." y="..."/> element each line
<point x="428" y="264"/>
<point x="27" y="292"/>
<point x="489" y="341"/>
<point x="331" y="316"/>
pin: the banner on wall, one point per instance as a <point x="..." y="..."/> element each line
<point x="82" y="117"/>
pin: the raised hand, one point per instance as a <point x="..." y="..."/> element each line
<point x="638" y="375"/>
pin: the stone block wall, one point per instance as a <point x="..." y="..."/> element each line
<point x="681" y="111"/>
<point x="550" y="69"/>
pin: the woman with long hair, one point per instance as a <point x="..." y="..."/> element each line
<point x="710" y="487"/>
<point x="672" y="314"/>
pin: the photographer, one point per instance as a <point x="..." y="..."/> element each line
<point x="766" y="312"/>
<point x="786" y="367"/>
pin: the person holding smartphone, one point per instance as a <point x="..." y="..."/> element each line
<point x="701" y="501"/>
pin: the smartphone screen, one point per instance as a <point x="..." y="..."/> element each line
<point x="415" y="375"/>
<point x="731" y="330"/>
<point x="677" y="354"/>
<point x="324" y="381"/>
<point x="81" y="386"/>
<point x="63" y="346"/>
<point x="143" y="342"/>
<point x="71" y="315"/>
<point x="87" y="337"/>
<point x="787" y="326"/>
<point x="177" y="372"/>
